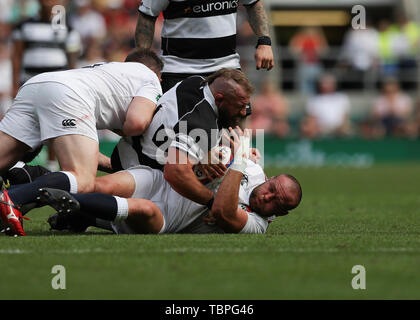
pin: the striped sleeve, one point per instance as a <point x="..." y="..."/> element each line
<point x="248" y="2"/>
<point x="153" y="7"/>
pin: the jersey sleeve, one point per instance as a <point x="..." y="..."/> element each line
<point x="193" y="134"/>
<point x="187" y="139"/>
<point x="248" y="2"/>
<point x="255" y="224"/>
<point x="153" y="7"/>
<point x="150" y="90"/>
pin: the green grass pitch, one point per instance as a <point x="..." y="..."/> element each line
<point x="348" y="217"/>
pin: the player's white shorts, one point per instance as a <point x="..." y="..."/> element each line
<point x="178" y="212"/>
<point x="46" y="110"/>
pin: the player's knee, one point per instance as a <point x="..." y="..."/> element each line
<point x="102" y="185"/>
<point x="85" y="185"/>
<point x="145" y="209"/>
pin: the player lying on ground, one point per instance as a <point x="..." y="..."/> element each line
<point x="64" y="109"/>
<point x="244" y="203"/>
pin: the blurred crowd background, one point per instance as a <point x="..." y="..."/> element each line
<point x="330" y="80"/>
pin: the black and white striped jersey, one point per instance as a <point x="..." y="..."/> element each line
<point x="198" y="36"/>
<point x="45" y="48"/>
<point x="186" y="118"/>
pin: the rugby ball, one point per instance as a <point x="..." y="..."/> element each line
<point x="227" y="159"/>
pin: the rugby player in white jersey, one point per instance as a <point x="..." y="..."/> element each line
<point x="64" y="109"/>
<point x="245" y="202"/>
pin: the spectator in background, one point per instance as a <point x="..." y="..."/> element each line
<point x="328" y="112"/>
<point x="121" y="26"/>
<point x="23" y="8"/>
<point x="308" y="45"/>
<point x="270" y="111"/>
<point x="410" y="32"/>
<point x="409" y="40"/>
<point x="390" y="45"/>
<point x="92" y="54"/>
<point x="360" y="51"/>
<point x="392" y="109"/>
<point x="89" y="23"/>
<point x="39" y="47"/>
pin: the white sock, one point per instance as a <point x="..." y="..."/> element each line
<point x="72" y="180"/>
<point x="122" y="209"/>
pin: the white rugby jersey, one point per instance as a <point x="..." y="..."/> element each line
<point x="44" y="49"/>
<point x="197" y="36"/>
<point x="107" y="88"/>
<point x="186" y="118"/>
<point x="253" y="177"/>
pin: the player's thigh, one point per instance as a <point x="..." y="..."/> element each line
<point x="144" y="216"/>
<point x="120" y="184"/>
<point x="12" y="150"/>
<point x="77" y="154"/>
<point x="149" y="183"/>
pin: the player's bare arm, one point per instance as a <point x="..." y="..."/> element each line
<point x="16" y="64"/>
<point x="104" y="163"/>
<point x="139" y="115"/>
<point x="225" y="209"/>
<point x="225" y="206"/>
<point x="259" y="23"/>
<point x="180" y="175"/>
<point x="145" y="31"/>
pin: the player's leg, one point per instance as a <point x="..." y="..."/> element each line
<point x="78" y="156"/>
<point x="120" y="184"/>
<point x="68" y="124"/>
<point x="11" y="151"/>
<point x="142" y="216"/>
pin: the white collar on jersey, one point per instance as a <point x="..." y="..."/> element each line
<point x="210" y="98"/>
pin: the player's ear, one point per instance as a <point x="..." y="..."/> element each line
<point x="218" y="98"/>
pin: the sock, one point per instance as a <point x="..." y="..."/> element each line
<point x="26" y="193"/>
<point x="103" y="206"/>
<point x="103" y="224"/>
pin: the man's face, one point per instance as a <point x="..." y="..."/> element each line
<point x="271" y="198"/>
<point x="232" y="109"/>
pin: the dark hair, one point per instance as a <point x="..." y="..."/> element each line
<point x="145" y="56"/>
<point x="236" y="75"/>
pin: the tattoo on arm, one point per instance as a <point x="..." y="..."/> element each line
<point x="258" y="19"/>
<point x="145" y="30"/>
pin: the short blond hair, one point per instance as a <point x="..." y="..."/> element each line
<point x="231" y="74"/>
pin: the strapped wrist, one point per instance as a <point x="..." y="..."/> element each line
<point x="264" y="40"/>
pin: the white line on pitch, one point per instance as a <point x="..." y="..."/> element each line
<point x="208" y="250"/>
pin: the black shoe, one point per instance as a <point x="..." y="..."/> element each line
<point x="73" y="222"/>
<point x="60" y="200"/>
